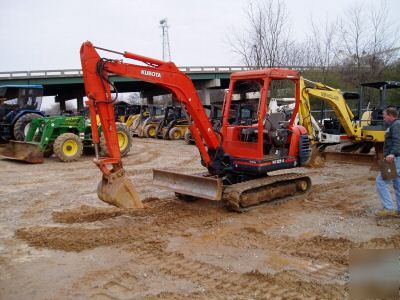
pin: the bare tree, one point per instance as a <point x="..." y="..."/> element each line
<point x="134" y="98"/>
<point x="368" y="42"/>
<point x="265" y="42"/>
<point x="323" y="45"/>
<point x="351" y="49"/>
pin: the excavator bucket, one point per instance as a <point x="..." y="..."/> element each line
<point x="316" y="158"/>
<point x="193" y="185"/>
<point x="23" y="151"/>
<point x="118" y="190"/>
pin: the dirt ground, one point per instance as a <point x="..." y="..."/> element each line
<point x="58" y="241"/>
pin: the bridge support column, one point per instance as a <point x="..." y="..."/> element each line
<point x="206" y="97"/>
<point x="63" y="107"/>
<point x="148" y="96"/>
<point x="79" y="103"/>
<point x="205" y="87"/>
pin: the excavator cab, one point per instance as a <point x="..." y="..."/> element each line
<point x="264" y="137"/>
<point x="375" y="97"/>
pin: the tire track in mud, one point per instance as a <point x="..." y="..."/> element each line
<point x="324" y="258"/>
<point x="162" y="218"/>
<point x="217" y="279"/>
<point x="317" y="248"/>
<point x="152" y="153"/>
<point x="151" y="252"/>
<point x="149" y="156"/>
<point x="218" y="283"/>
<point x="166" y="217"/>
<point x="322" y="187"/>
<point x="149" y="246"/>
<point x="330" y="195"/>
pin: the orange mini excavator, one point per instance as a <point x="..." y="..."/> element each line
<point x="238" y="157"/>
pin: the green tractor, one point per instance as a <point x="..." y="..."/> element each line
<point x="65" y="137"/>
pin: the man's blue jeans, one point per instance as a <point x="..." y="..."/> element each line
<point x="382" y="187"/>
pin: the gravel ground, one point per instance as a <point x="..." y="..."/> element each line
<point x="58" y="241"/>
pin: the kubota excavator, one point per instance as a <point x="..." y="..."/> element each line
<point x="238" y="157"/>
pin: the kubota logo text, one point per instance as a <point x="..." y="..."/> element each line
<point x="150" y="73"/>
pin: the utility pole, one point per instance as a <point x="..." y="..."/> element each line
<point x="166" y="51"/>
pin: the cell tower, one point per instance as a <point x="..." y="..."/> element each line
<point x="166" y="51"/>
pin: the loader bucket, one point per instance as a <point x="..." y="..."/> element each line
<point x="118" y="190"/>
<point x="193" y="185"/>
<point x="23" y="151"/>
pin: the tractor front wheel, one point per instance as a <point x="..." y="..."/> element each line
<point x="175" y="134"/>
<point x="21" y="126"/>
<point x="150" y="131"/>
<point x="188" y="137"/>
<point x="68" y="147"/>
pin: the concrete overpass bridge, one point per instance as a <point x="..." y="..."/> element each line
<point x="68" y="84"/>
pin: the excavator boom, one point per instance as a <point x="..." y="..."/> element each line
<point x="114" y="187"/>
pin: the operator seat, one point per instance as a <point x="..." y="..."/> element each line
<point x="275" y="133"/>
<point x="274" y="121"/>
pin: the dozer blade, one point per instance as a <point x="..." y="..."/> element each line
<point x="116" y="189"/>
<point x="193" y="185"/>
<point x="23" y="151"/>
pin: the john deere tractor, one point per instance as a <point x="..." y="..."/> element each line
<point x="65" y="137"/>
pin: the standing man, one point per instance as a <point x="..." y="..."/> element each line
<point x="391" y="152"/>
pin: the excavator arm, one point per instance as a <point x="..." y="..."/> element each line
<point x="355" y="132"/>
<point x="114" y="187"/>
<point x="335" y="100"/>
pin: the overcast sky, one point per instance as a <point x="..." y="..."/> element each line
<point x="47" y="34"/>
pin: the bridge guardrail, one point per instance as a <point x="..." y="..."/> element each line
<point x="78" y="72"/>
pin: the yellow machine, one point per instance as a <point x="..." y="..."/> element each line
<point x="132" y="121"/>
<point x="357" y="131"/>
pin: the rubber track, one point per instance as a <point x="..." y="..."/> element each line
<point x="232" y="193"/>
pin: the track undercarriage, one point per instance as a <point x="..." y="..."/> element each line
<point x="238" y="197"/>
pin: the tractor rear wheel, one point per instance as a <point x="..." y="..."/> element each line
<point x="21" y="126"/>
<point x="68" y="147"/>
<point x="175" y="134"/>
<point x="124" y="141"/>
